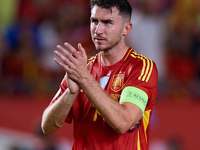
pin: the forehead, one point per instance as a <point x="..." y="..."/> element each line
<point x="104" y="14"/>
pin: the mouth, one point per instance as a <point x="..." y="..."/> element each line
<point x="99" y="39"/>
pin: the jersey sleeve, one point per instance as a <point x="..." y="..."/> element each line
<point x="143" y="75"/>
<point x="63" y="87"/>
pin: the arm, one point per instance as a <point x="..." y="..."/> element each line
<point x="55" y="114"/>
<point x="120" y="116"/>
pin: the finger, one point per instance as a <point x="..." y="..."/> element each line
<point x="77" y="54"/>
<point x="66" y="53"/>
<point x="89" y="66"/>
<point x="64" y="59"/>
<point x="72" y="49"/>
<point x="62" y="65"/>
<point x="82" y="50"/>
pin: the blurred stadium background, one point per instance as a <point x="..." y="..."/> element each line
<point x="167" y="31"/>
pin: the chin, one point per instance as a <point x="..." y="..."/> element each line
<point x="100" y="47"/>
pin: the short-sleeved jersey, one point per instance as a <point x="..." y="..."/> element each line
<point x="91" y="131"/>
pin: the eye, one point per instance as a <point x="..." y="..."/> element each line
<point x="107" y="22"/>
<point x="95" y="21"/>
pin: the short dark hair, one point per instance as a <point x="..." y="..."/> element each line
<point x="123" y="6"/>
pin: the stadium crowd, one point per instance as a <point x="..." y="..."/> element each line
<point x="167" y="31"/>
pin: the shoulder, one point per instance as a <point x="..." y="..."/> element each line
<point x="140" y="58"/>
<point x="144" y="66"/>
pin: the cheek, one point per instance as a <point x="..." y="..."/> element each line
<point x="92" y="29"/>
<point x="114" y="36"/>
<point x="91" y="32"/>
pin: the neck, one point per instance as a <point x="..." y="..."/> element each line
<point x="113" y="55"/>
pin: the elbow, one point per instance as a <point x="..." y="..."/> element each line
<point x="48" y="125"/>
<point x="46" y="132"/>
<point x="121" y="128"/>
<point x="45" y="129"/>
<point x="121" y="131"/>
<point x="48" y="129"/>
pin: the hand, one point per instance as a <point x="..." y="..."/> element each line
<point x="74" y="63"/>
<point x="73" y="86"/>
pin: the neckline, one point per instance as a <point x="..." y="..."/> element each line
<point x="111" y="66"/>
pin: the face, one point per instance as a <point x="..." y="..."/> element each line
<point x="106" y="28"/>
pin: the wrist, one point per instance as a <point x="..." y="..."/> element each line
<point x="85" y="81"/>
<point x="73" y="92"/>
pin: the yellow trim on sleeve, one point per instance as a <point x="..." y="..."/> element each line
<point x="138" y="142"/>
<point x="147" y="66"/>
<point x="147" y="70"/>
<point x="147" y="79"/>
<point x="146" y="119"/>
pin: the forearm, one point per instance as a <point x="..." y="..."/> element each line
<point x="55" y="114"/>
<point x="117" y="115"/>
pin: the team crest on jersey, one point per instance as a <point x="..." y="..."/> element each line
<point x="117" y="82"/>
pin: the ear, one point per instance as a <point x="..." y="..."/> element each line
<point x="127" y="28"/>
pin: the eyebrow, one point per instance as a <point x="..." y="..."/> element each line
<point x="106" y="20"/>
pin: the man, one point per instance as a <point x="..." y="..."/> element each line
<point x="110" y="97"/>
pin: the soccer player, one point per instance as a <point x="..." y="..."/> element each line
<point x="110" y="96"/>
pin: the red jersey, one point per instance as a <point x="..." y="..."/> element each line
<point x="91" y="131"/>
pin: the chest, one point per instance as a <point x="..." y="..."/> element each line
<point x="111" y="79"/>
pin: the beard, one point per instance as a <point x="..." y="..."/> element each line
<point x="107" y="44"/>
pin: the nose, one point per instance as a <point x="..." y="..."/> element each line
<point x="99" y="28"/>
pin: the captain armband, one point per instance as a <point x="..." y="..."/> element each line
<point x="134" y="95"/>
